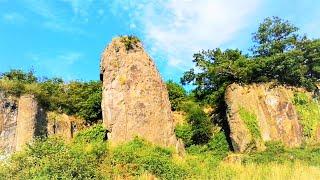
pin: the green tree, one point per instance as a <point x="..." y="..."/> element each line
<point x="19" y="75"/>
<point x="274" y="36"/>
<point x="177" y="94"/>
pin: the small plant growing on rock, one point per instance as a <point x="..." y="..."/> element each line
<point x="129" y="41"/>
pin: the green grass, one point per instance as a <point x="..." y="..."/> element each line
<point x="90" y="157"/>
<point x="309" y="114"/>
<point x="251" y="122"/>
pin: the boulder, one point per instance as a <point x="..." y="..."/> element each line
<point x="259" y="113"/>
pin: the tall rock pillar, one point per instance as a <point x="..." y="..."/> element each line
<point x="135" y="99"/>
<point x="31" y="121"/>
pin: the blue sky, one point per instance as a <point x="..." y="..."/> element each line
<point x="65" y="38"/>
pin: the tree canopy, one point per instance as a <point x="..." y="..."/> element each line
<point x="280" y="54"/>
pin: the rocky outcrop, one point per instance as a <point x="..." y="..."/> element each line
<point x="31" y="121"/>
<point x="263" y="112"/>
<point x="8" y="123"/>
<point x="135" y="100"/>
<point x="23" y="118"/>
<point x="63" y="125"/>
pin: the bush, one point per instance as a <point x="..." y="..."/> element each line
<point x="177" y="94"/>
<point x="199" y="121"/>
<point x="184" y="132"/>
<point x="82" y="99"/>
<point x="94" y="134"/>
<point x="276" y="152"/>
<point x="309" y="114"/>
<point x="218" y="144"/>
<point x="251" y="122"/>
<point x="138" y="156"/>
<point x="50" y="159"/>
<point x="129" y="41"/>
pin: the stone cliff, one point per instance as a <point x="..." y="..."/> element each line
<point x="135" y="100"/>
<point x="8" y="123"/>
<point x="63" y="125"/>
<point x="31" y="121"/>
<point x="260" y="113"/>
<point x="23" y="118"/>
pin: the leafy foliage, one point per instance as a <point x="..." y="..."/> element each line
<point x="250" y="119"/>
<point x="138" y="156"/>
<point x="19" y="75"/>
<point x="184" y="132"/>
<point x="129" y="41"/>
<point x="95" y="133"/>
<point x="276" y="152"/>
<point x="50" y="159"/>
<point x="177" y="94"/>
<point x="74" y="98"/>
<point x="274" y="36"/>
<point x="279" y="55"/>
<point x="309" y="112"/>
<point x="200" y="124"/>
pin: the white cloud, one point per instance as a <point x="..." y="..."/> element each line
<point x="64" y="15"/>
<point x="80" y="7"/>
<point x="178" y="28"/>
<point x="13" y="18"/>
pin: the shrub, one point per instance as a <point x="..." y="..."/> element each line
<point x="129" y="41"/>
<point x="199" y="121"/>
<point x="50" y="159"/>
<point x="276" y="152"/>
<point x="184" y="132"/>
<point x="94" y="134"/>
<point x="219" y="144"/>
<point x="309" y="114"/>
<point x="177" y="94"/>
<point x="251" y="122"/>
<point x="138" y="156"/>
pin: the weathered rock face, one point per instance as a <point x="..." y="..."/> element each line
<point x="31" y="121"/>
<point x="21" y="119"/>
<point x="63" y="125"/>
<point x="8" y="123"/>
<point x="135" y="100"/>
<point x="261" y="113"/>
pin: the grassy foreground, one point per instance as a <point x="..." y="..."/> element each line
<point x="88" y="156"/>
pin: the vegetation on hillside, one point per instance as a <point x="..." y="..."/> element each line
<point x="279" y="54"/>
<point x="73" y="98"/>
<point x="309" y="113"/>
<point x="89" y="156"/>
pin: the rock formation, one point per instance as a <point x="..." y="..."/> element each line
<point x="22" y="119"/>
<point x="135" y="100"/>
<point x="63" y="125"/>
<point x="262" y="112"/>
<point x="8" y="123"/>
<point x="31" y="121"/>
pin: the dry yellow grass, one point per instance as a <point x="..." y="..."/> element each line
<point x="272" y="171"/>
